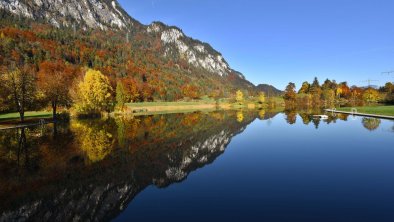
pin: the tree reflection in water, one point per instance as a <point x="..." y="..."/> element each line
<point x="291" y="116"/>
<point x="93" y="169"/>
<point x="371" y="124"/>
<point x="94" y="140"/>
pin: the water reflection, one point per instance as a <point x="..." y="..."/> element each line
<point x="91" y="170"/>
<point x="371" y="123"/>
<point x="307" y="117"/>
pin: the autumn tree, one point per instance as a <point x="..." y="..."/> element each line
<point x="328" y="84"/>
<point x="190" y="91"/>
<point x="121" y="95"/>
<point x="239" y="96"/>
<point x="371" y="95"/>
<point x="131" y="89"/>
<point x="343" y="90"/>
<point x="328" y="96"/>
<point x="261" y="97"/>
<point x="19" y="88"/>
<point x="356" y="93"/>
<point x="290" y="93"/>
<point x="94" y="93"/>
<point x="388" y="89"/>
<point x="54" y="81"/>
<point x="304" y="88"/>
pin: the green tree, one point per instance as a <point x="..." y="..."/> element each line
<point x="94" y="93"/>
<point x="315" y="84"/>
<point x="316" y="92"/>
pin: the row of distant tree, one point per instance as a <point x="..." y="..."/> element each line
<point x="330" y="93"/>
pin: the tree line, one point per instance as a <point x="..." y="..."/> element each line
<point x="30" y="51"/>
<point x="330" y="93"/>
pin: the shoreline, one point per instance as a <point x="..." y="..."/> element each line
<point x="361" y="114"/>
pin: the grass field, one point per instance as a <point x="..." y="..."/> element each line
<point x="151" y="104"/>
<point x="11" y="116"/>
<point x="378" y="110"/>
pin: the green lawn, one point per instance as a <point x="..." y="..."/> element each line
<point x="145" y="104"/>
<point x="11" y="116"/>
<point x="378" y="110"/>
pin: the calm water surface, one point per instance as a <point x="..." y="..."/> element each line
<point x="223" y="166"/>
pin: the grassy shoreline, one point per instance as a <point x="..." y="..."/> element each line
<point x="28" y="115"/>
<point x="151" y="108"/>
<point x="377" y="110"/>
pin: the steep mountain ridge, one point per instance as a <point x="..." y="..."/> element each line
<point x="197" y="53"/>
<point x="101" y="14"/>
<point x="109" y="15"/>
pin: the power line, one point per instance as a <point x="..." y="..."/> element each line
<point x="388" y="72"/>
<point x="369" y="81"/>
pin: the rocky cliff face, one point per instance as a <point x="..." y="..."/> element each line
<point x="108" y="14"/>
<point x="85" y="13"/>
<point x="198" y="54"/>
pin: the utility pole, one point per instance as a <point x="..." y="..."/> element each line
<point x="369" y="82"/>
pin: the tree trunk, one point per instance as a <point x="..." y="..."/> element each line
<point x="22" y="115"/>
<point x="54" y="105"/>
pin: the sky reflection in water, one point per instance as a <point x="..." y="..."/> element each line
<point x="218" y="166"/>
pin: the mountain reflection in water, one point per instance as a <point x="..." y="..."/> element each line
<point x="92" y="169"/>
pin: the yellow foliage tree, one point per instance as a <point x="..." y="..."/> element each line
<point x="338" y="92"/>
<point x="371" y="95"/>
<point x="262" y="98"/>
<point x="239" y="96"/>
<point x="94" y="93"/>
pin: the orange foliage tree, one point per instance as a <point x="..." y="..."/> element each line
<point x="54" y="81"/>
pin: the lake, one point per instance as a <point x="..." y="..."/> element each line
<point x="216" y="166"/>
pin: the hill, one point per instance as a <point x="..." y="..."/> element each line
<point x="269" y="90"/>
<point x="161" y="61"/>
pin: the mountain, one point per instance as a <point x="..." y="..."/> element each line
<point x="269" y="90"/>
<point x="101" y="14"/>
<point x="174" y="55"/>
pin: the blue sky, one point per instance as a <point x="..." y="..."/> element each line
<point x="278" y="41"/>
